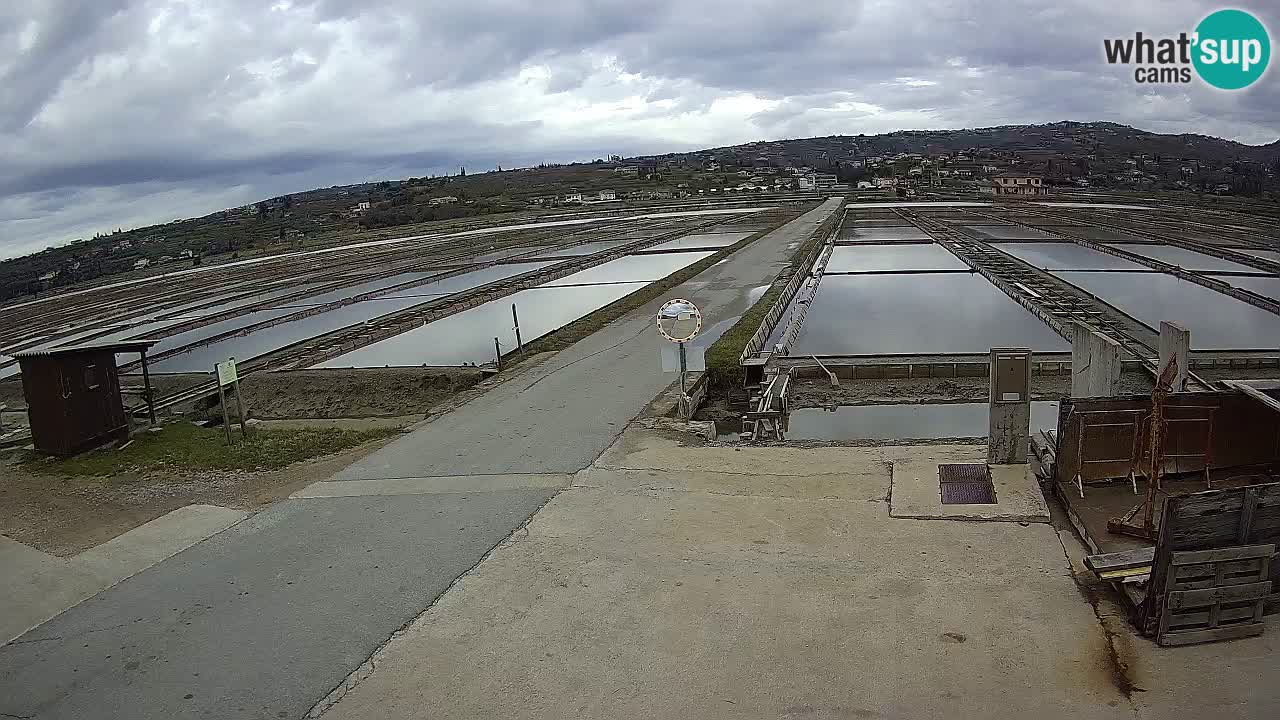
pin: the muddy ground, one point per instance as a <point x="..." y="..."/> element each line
<point x="818" y="392"/>
<point x="338" y="393"/>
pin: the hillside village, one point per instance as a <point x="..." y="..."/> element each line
<point x="1027" y="159"/>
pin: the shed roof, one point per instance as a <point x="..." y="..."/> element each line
<point x="120" y="346"/>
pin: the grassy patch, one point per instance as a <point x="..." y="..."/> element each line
<point x="723" y="368"/>
<point x="186" y="447"/>
<point x="722" y="358"/>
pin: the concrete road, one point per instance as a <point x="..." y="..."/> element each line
<point x="265" y="619"/>
<point x="713" y="582"/>
<point x="261" y="620"/>
<point x="569" y="410"/>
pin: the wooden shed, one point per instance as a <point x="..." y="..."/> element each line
<point x="73" y="394"/>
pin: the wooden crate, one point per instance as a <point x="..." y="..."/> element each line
<point x="1214" y="595"/>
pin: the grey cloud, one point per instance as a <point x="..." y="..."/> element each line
<point x="159" y="108"/>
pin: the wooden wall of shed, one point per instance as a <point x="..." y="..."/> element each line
<point x="1245" y="432"/>
<point x="66" y="414"/>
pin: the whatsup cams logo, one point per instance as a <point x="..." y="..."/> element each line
<point x="1229" y="50"/>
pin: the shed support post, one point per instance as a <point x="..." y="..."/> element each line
<point x="146" y="388"/>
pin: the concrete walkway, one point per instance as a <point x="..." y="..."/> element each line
<point x="566" y="412"/>
<point x="267" y="618"/>
<point x="687" y="582"/>
<point x="38" y="585"/>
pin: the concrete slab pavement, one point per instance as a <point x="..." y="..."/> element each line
<point x="265" y="619"/>
<point x="262" y="619"/>
<point x="38" y="585"/>
<point x="559" y="417"/>
<point x="916" y="492"/>
<point x="719" y="583"/>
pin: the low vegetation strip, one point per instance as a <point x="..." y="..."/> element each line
<point x="723" y="358"/>
<point x="184" y="447"/>
<point x="588" y="324"/>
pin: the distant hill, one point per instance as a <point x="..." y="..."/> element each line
<point x="1102" y="153"/>
<point x="1060" y="137"/>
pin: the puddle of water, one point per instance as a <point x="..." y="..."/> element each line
<point x="917" y="313"/>
<point x="905" y="421"/>
<point x="872" y="258"/>
<point x="1216" y="321"/>
<point x="1066" y="256"/>
<point x="696" y="349"/>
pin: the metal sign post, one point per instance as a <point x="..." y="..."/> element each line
<point x="684" y="367"/>
<point x="227" y="376"/>
<point x="680" y="321"/>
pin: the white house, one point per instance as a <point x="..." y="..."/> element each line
<point x="573" y="197"/>
<point x="361" y="206"/>
<point x="1018" y="183"/>
<point x="608" y="195"/>
<point x="865" y="185"/>
<point x="443" y="200"/>
<point x="805" y="182"/>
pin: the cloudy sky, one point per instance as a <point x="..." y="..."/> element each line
<point x="119" y="113"/>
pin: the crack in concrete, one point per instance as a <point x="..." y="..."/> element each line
<point x="62" y="637"/>
<point x="626" y="468"/>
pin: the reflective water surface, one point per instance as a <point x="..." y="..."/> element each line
<point x="906" y="421"/>
<point x="632" y="268"/>
<point x="874" y="258"/>
<point x="1264" y="286"/>
<point x="1216" y="321"/>
<point x="1007" y="232"/>
<point x="1272" y="255"/>
<point x="705" y="240"/>
<point x="873" y="234"/>
<point x="1066" y="256"/>
<point x="917" y="313"/>
<point x="1184" y="258"/>
<point x="468" y="336"/>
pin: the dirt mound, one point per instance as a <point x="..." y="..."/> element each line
<point x="368" y="392"/>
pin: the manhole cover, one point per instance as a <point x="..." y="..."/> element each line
<point x="966" y="484"/>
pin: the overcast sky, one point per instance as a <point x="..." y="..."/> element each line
<point x="119" y="113"/>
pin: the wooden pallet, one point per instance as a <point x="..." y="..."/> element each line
<point x="1214" y="595"/>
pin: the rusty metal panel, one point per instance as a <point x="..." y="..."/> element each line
<point x="1209" y="430"/>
